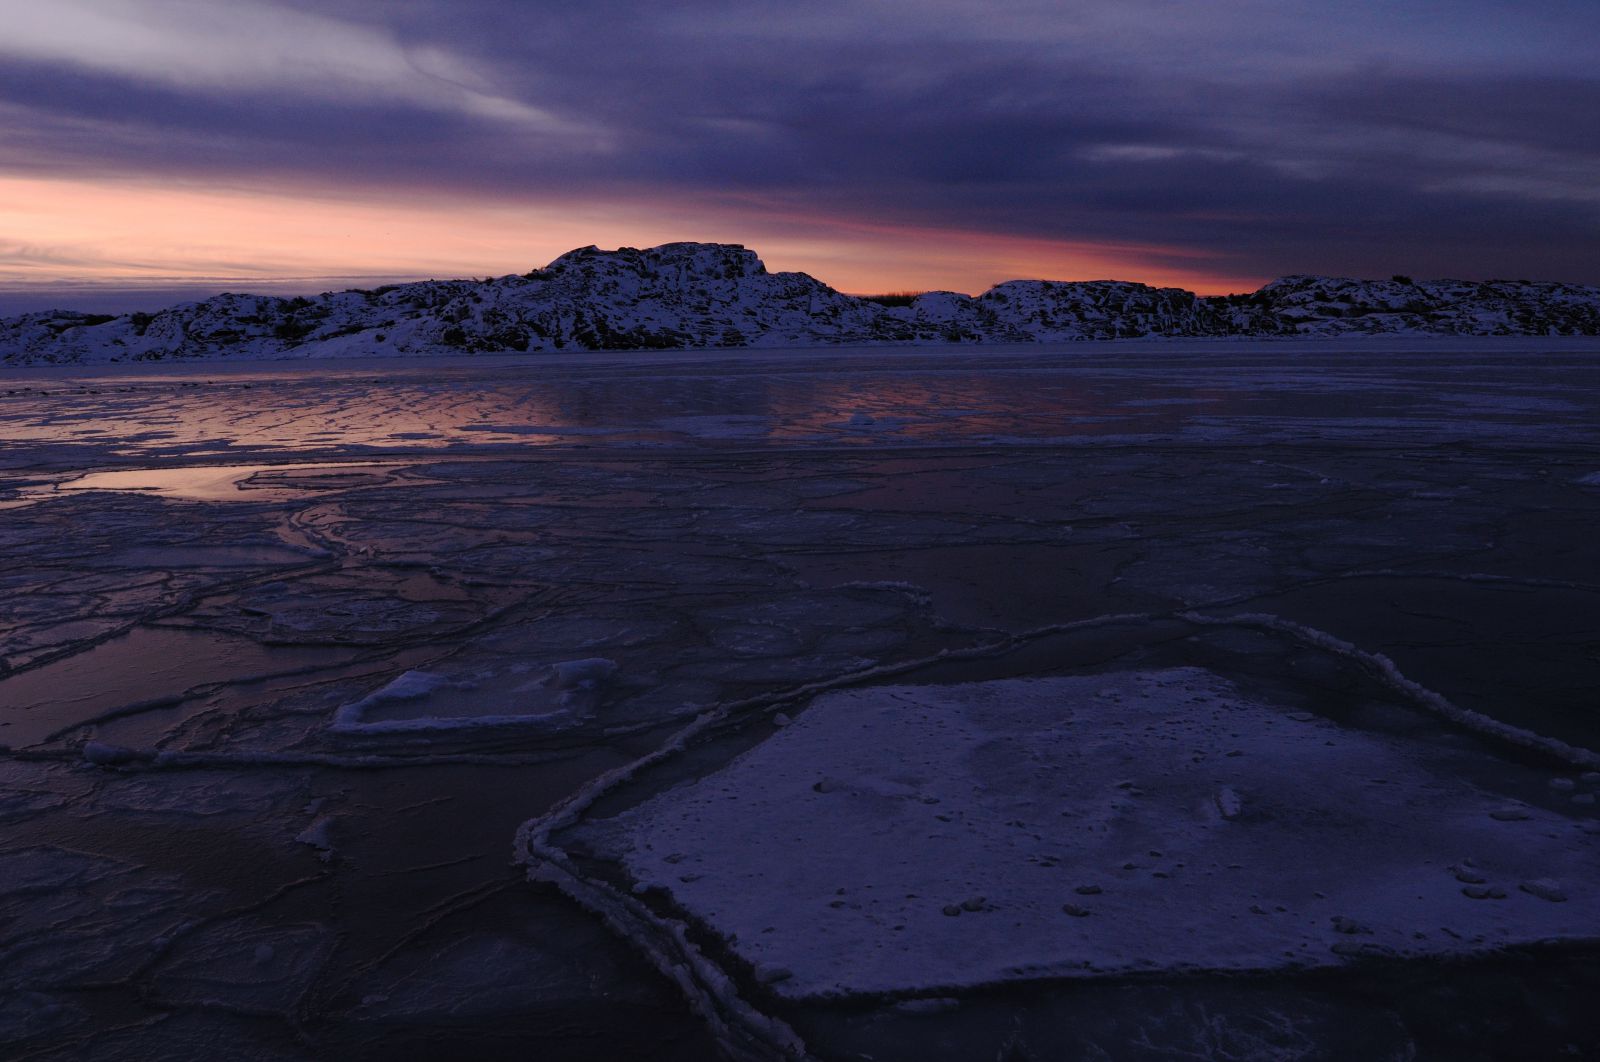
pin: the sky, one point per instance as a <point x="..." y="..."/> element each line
<point x="152" y="150"/>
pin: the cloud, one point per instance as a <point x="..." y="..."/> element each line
<point x="1240" y="139"/>
<point x="250" y="46"/>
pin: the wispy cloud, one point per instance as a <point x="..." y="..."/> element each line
<point x="253" y="45"/>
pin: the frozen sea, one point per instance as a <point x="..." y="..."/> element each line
<point x="1146" y="700"/>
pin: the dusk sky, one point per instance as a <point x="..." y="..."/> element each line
<point x="157" y="149"/>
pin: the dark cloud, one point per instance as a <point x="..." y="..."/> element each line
<point x="1249" y="137"/>
<point x="1558" y="114"/>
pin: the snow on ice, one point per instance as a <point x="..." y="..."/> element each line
<point x="923" y="838"/>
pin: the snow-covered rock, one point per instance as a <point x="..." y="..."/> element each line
<point x="697" y="295"/>
<point x="1098" y="309"/>
<point x="1311" y="305"/>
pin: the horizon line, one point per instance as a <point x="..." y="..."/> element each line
<point x="198" y="287"/>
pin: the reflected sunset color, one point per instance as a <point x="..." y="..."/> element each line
<point x="236" y="418"/>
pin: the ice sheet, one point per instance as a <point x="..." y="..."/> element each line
<point x="734" y="530"/>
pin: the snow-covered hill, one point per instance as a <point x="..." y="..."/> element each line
<point x="720" y="295"/>
<point x="1333" y="306"/>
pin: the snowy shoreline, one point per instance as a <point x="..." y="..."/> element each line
<point x="700" y="296"/>
<point x="1285" y="350"/>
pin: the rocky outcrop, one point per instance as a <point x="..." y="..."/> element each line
<point x="1310" y="305"/>
<point x="696" y="295"/>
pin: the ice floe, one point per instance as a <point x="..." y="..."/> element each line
<point x="917" y="838"/>
<point x="560" y="695"/>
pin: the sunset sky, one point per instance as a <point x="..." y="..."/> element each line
<point x="162" y="149"/>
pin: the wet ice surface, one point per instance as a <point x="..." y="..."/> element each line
<point x="218" y="824"/>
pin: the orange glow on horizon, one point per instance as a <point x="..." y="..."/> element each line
<point x="96" y="233"/>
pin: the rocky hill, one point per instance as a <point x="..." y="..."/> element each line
<point x="685" y="295"/>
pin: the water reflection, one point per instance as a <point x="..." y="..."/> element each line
<point x="812" y="397"/>
<point x="278" y="482"/>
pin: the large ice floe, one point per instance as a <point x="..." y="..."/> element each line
<point x="920" y="839"/>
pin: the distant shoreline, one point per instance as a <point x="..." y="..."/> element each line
<point x="695" y="296"/>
